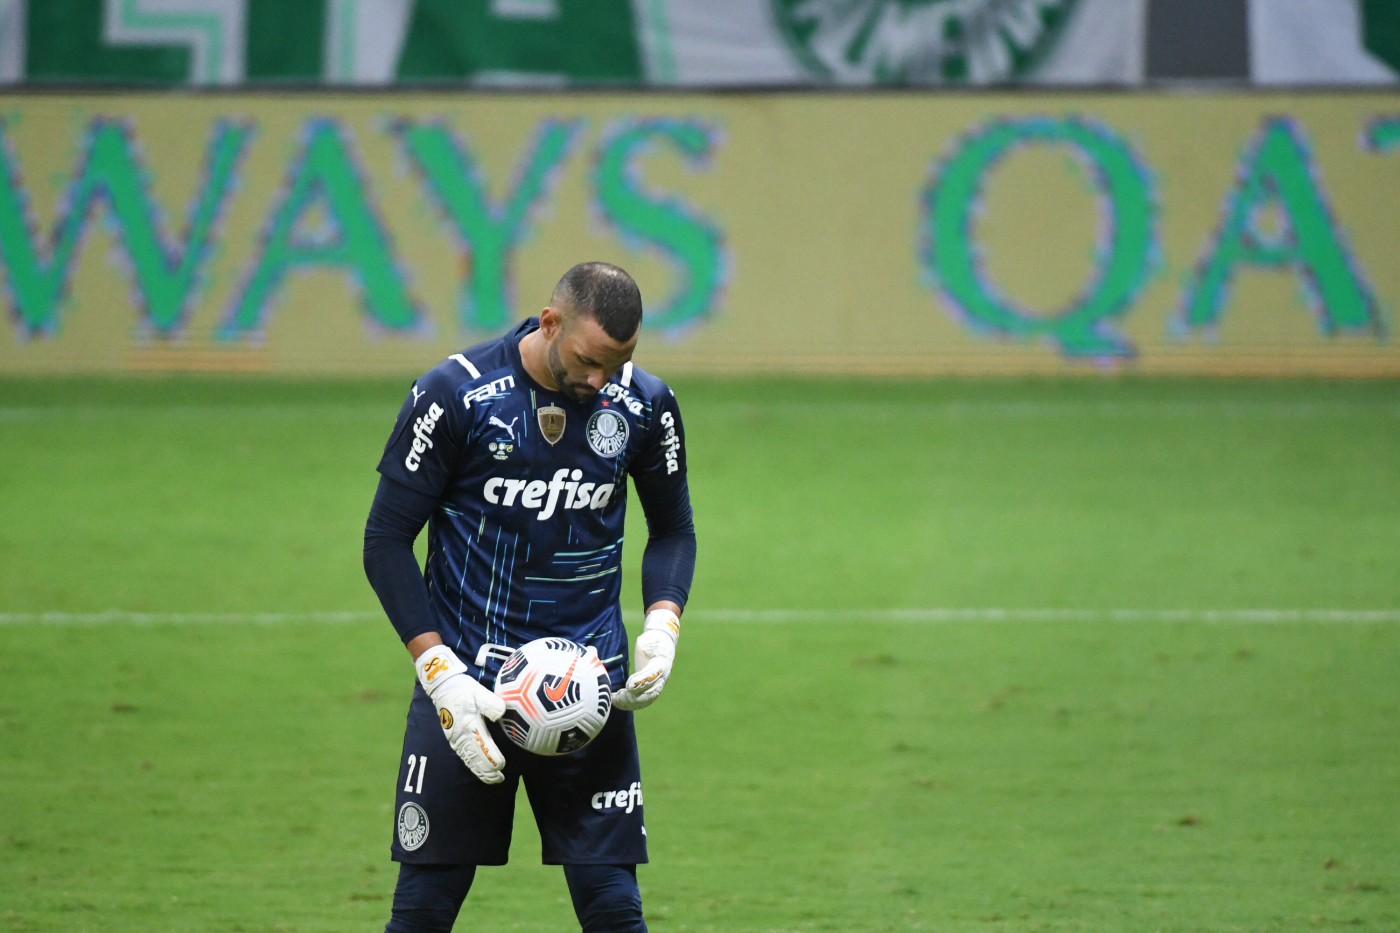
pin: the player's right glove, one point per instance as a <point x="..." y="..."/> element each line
<point x="461" y="702"/>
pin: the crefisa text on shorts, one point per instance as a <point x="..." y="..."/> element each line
<point x="625" y="800"/>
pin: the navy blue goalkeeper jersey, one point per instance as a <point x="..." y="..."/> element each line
<point x="532" y="487"/>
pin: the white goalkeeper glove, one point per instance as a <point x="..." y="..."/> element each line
<point x="461" y="702"/>
<point x="656" y="652"/>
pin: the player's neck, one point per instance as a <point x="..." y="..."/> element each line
<point x="532" y="357"/>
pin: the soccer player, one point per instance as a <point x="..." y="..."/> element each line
<point x="516" y="453"/>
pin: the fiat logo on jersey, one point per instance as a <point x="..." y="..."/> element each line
<point x="607" y="433"/>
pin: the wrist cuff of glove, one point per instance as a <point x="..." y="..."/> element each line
<point x="663" y="620"/>
<point x="436" y="665"/>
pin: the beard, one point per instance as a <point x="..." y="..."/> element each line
<point x="578" y="391"/>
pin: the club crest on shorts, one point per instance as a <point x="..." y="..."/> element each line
<point x="551" y="418"/>
<point x="607" y="433"/>
<point x="413" y="826"/>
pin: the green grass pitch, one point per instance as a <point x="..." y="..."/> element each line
<point x="1101" y="655"/>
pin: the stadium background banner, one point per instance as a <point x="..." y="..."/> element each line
<point x="870" y="233"/>
<point x="698" y="43"/>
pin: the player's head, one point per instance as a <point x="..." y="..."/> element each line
<point x="590" y="327"/>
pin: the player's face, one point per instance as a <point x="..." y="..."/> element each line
<point x="582" y="357"/>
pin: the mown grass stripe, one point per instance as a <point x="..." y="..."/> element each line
<point x="763" y="616"/>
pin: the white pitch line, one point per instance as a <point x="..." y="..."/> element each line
<point x="21" y="414"/>
<point x="763" y="616"/>
<point x="933" y="615"/>
<point x="893" y="408"/>
<point x="122" y="617"/>
<point x="962" y="409"/>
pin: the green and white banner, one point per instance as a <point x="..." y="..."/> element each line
<point x="1324" y="41"/>
<point x="701" y="43"/>
<point x="687" y="43"/>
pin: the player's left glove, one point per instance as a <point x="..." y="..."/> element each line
<point x="656" y="652"/>
<point x="461" y="702"/>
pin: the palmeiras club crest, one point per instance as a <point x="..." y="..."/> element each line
<point x="551" y="418"/>
<point x="905" y="42"/>
<point x="607" y="432"/>
<point x="412" y="826"/>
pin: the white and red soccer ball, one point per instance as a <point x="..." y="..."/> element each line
<point x="557" y="695"/>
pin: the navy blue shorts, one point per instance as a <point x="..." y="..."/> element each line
<point x="587" y="805"/>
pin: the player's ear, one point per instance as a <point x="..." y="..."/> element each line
<point x="550" y="323"/>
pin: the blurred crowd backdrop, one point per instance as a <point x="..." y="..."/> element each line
<point x="844" y="186"/>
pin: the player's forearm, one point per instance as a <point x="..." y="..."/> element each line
<point x="668" y="567"/>
<point x="393" y="574"/>
<point x="395" y="518"/>
<point x="668" y="563"/>
<point x="420" y="643"/>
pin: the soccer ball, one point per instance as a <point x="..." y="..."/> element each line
<point x="557" y="695"/>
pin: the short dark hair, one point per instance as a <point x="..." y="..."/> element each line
<point x="605" y="293"/>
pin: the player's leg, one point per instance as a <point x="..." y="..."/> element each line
<point x="446" y="823"/>
<point x="428" y="897"/>
<point x="444" y="815"/>
<point x="606" y="898"/>
<point x="588" y="806"/>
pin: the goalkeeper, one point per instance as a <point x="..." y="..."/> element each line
<point x="517" y="454"/>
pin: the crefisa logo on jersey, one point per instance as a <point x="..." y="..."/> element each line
<point x="607" y="433"/>
<point x="620" y="395"/>
<point x="423" y="436"/>
<point x="563" y="491"/>
<point x="413" y="826"/>
<point x="671" y="443"/>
